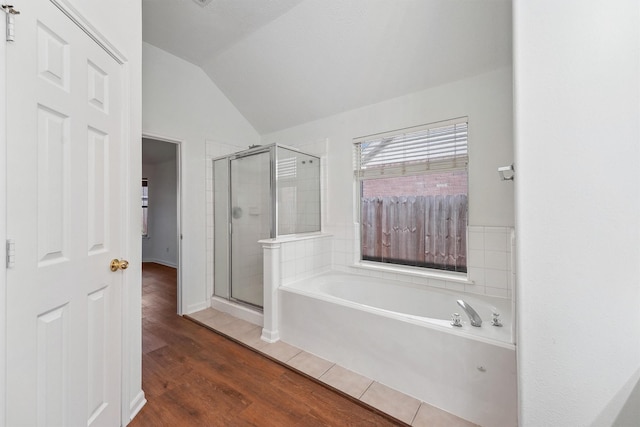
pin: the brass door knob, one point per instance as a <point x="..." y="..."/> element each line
<point x="119" y="264"/>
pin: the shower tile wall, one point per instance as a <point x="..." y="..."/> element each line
<point x="298" y="193"/>
<point x="317" y="148"/>
<point x="309" y="208"/>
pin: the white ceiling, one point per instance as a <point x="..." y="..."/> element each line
<point x="287" y="62"/>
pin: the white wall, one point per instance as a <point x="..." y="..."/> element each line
<point x="180" y="102"/>
<point x="161" y="244"/>
<point x="577" y="113"/>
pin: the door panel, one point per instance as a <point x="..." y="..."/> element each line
<point x="98" y="185"/>
<point x="250" y="222"/>
<point x="53" y="331"/>
<point x="64" y="192"/>
<point x="52" y="208"/>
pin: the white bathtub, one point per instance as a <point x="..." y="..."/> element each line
<point x="400" y="335"/>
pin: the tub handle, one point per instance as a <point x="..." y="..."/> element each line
<point x="496" y="319"/>
<point x="455" y="320"/>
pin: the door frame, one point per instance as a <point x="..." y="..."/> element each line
<point x="3" y="221"/>
<point x="179" y="144"/>
<point x="129" y="404"/>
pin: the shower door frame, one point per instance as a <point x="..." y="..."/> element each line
<point x="271" y="149"/>
<point x="273" y="184"/>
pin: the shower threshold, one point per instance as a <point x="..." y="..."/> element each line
<point x="240" y="310"/>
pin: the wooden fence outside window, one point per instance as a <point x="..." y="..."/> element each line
<point x="424" y="231"/>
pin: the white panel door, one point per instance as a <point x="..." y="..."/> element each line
<point x="64" y="200"/>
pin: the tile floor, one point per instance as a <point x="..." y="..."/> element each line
<point x="385" y="399"/>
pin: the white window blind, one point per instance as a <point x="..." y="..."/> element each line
<point x="429" y="148"/>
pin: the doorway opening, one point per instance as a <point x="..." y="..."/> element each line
<point x="161" y="209"/>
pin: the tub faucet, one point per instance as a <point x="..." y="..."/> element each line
<point x="473" y="316"/>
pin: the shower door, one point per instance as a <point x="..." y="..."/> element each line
<point x="251" y="220"/>
<point x="221" y="228"/>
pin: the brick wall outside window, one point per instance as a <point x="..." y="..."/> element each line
<point x="432" y="184"/>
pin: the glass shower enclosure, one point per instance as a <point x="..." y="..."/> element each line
<point x="260" y="193"/>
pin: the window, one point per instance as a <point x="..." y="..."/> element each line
<point x="145" y="207"/>
<point x="413" y="188"/>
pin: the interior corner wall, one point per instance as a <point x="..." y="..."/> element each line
<point x="487" y="101"/>
<point x="577" y="111"/>
<point x="160" y="246"/>
<point x="180" y="102"/>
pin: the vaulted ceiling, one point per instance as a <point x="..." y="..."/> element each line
<point x="287" y="62"/>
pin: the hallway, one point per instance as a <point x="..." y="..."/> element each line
<point x="195" y="377"/>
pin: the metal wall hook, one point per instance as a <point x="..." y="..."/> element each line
<point x="506" y="173"/>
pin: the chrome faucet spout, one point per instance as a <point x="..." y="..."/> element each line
<point x="473" y="316"/>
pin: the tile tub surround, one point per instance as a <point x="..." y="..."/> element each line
<point x="490" y="262"/>
<point x="372" y="394"/>
<point x="287" y="259"/>
<point x="306" y="255"/>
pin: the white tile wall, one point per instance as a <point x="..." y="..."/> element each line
<point x="304" y="257"/>
<point x="490" y="262"/>
<point x="298" y="195"/>
<point x="319" y="148"/>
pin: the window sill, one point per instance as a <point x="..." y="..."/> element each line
<point x="414" y="272"/>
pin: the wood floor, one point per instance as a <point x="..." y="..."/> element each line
<point x="192" y="376"/>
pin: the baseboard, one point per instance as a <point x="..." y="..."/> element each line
<point x="161" y="262"/>
<point x="137" y="404"/>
